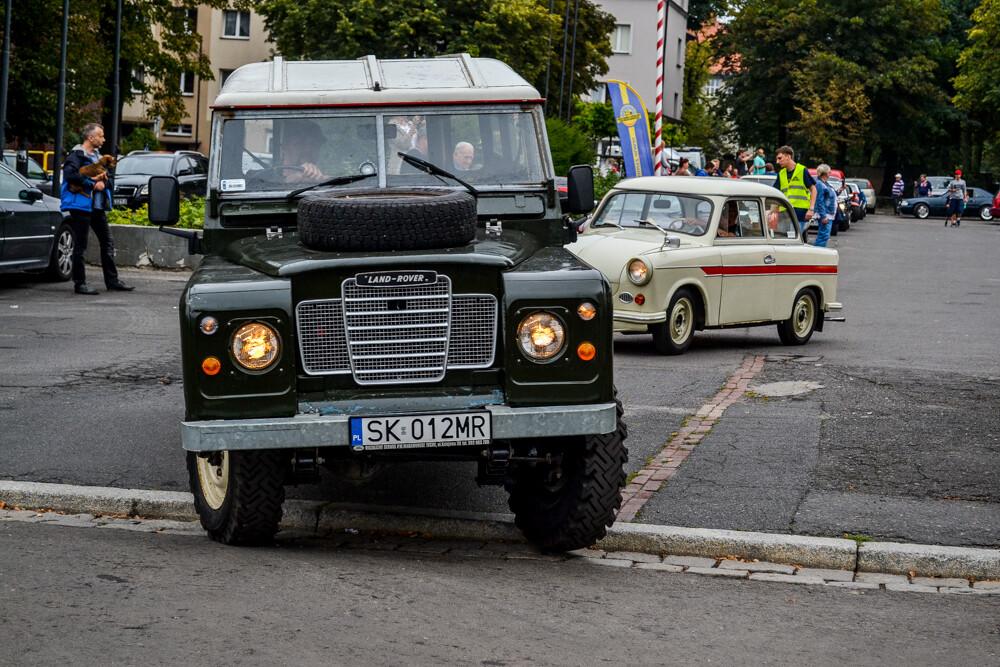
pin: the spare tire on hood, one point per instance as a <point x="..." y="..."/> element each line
<point x="387" y="219"/>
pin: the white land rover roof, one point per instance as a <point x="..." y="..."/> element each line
<point x="369" y="81"/>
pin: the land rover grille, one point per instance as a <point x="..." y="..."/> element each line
<point x="389" y="335"/>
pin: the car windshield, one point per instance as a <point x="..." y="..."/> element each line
<point x="676" y="213"/>
<point x="487" y="148"/>
<point x="150" y="165"/>
<point x="938" y="182"/>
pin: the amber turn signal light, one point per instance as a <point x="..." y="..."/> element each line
<point x="211" y="366"/>
<point x="639" y="299"/>
<point x="586" y="351"/>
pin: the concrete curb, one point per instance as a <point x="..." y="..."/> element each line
<point x="321" y="517"/>
<point x="136" y="245"/>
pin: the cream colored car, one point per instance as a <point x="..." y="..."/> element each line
<point x="684" y="254"/>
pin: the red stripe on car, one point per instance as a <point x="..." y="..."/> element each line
<point x="765" y="270"/>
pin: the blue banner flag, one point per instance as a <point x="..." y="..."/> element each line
<point x="633" y="129"/>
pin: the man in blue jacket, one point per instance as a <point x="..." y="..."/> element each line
<point x="86" y="204"/>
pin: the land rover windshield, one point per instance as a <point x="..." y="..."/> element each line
<point x="276" y="154"/>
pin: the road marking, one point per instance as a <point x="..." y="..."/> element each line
<point x="665" y="463"/>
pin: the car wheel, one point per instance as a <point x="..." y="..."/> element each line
<point x="984" y="213"/>
<point x="61" y="262"/>
<point x="798" y="329"/>
<point x="845" y="224"/>
<point x="922" y="211"/>
<point x="567" y="495"/>
<point x="675" y="335"/>
<point x="238" y="495"/>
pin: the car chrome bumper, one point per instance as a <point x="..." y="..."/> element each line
<point x="834" y="307"/>
<point x="318" y="430"/>
<point x="641" y="318"/>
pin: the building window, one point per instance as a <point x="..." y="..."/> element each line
<point x="223" y="75"/>
<point x="189" y="19"/>
<point x="621" y="38"/>
<point x="138" y="79"/>
<point x="187" y="83"/>
<point x="182" y="130"/>
<point x="677" y="104"/>
<point x="713" y="86"/>
<point x="235" y="25"/>
<point x="680" y="53"/>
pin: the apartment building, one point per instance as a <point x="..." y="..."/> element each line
<point x="634" y="52"/>
<point x="231" y="38"/>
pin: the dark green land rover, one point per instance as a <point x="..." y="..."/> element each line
<point x="384" y="277"/>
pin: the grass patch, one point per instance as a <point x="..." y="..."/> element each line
<point x="860" y="539"/>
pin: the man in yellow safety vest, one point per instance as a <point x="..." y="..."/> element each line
<point x="797" y="183"/>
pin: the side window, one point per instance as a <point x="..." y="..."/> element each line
<point x="10" y="186"/>
<point x="781" y="222"/>
<point x="750" y="220"/>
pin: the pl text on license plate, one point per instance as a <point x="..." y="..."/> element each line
<point x="417" y="431"/>
<point x="120" y="201"/>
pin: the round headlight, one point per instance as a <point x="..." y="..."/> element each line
<point x="639" y="271"/>
<point x="541" y="335"/>
<point x="255" y="346"/>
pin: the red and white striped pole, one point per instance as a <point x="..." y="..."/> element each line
<point x="658" y="123"/>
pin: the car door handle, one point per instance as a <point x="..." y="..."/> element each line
<point x="768" y="259"/>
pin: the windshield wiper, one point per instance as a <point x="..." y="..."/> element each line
<point x="608" y="223"/>
<point x="434" y="170"/>
<point x="337" y="180"/>
<point x="647" y="221"/>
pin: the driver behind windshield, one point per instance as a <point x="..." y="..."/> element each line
<point x="301" y="141"/>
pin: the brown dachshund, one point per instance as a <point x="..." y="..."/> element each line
<point x="95" y="171"/>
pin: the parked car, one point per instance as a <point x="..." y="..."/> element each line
<point x="995" y="208"/>
<point x="856" y="201"/>
<point x="685" y="254"/>
<point x="37" y="177"/>
<point x="939" y="184"/>
<point x="134" y="170"/>
<point x="34" y="235"/>
<point x="980" y="203"/>
<point x="867" y="190"/>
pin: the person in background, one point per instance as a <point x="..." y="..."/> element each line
<point x="728" y="171"/>
<point x="769" y="170"/>
<point x="758" y="162"/>
<point x="897" y="194"/>
<point x="826" y="206"/>
<point x="957" y="196"/>
<point x="923" y="186"/>
<point x="795" y="181"/>
<point x="700" y="172"/>
<point x="682" y="167"/>
<point x="742" y="169"/>
<point x="87" y="209"/>
<point x="714" y="169"/>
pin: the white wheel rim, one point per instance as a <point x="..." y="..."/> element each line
<point x="681" y="321"/>
<point x="802" y="316"/>
<point x="213" y="474"/>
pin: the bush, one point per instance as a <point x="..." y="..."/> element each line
<point x="569" y="146"/>
<point x="192" y="215"/>
<point x="604" y="183"/>
<point x="140" y="139"/>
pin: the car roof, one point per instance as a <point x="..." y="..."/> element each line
<point x="697" y="185"/>
<point x="456" y="78"/>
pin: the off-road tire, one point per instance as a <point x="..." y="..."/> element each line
<point x="571" y="511"/>
<point x="388" y="219"/>
<point x="251" y="496"/>
<point x="61" y="260"/>
<point x="799" y="328"/>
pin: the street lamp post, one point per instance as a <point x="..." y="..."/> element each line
<point x="61" y="104"/>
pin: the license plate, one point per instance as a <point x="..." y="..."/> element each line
<point x="120" y="201"/>
<point x="419" y="431"/>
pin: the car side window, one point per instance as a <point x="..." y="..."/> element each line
<point x="750" y="220"/>
<point x="198" y="166"/>
<point x="781" y="222"/>
<point x="10" y="186"/>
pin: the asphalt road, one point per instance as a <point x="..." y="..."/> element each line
<point x="106" y="596"/>
<point x="897" y="439"/>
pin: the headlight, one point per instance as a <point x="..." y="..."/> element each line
<point x="144" y="189"/>
<point x="639" y="271"/>
<point x="255" y="346"/>
<point x="904" y="203"/>
<point x="541" y="335"/>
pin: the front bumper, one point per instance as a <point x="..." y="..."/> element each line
<point x="317" y="429"/>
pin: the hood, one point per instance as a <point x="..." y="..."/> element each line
<point x="286" y="256"/>
<point x="132" y="179"/>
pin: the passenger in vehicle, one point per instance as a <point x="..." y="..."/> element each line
<point x="301" y="141"/>
<point x="729" y="221"/>
<point x="463" y="156"/>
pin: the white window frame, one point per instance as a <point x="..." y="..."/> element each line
<point x="239" y="21"/>
<point x="194" y="83"/>
<point x="181" y="130"/>
<point x="138" y="74"/>
<point x="616" y="39"/>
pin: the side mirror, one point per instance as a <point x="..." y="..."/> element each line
<point x="580" y="189"/>
<point x="31" y="194"/>
<point x="164" y="200"/>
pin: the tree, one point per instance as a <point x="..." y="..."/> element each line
<point x="158" y="45"/>
<point x="569" y="145"/>
<point x="703" y="124"/>
<point x="977" y="88"/>
<point x="514" y="31"/>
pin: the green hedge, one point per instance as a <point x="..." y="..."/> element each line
<point x="192" y="215"/>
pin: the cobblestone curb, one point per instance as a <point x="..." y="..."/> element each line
<point x="875" y="564"/>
